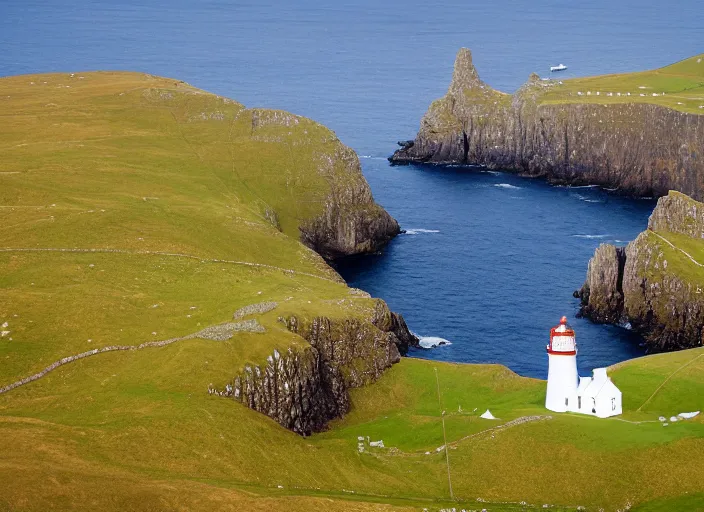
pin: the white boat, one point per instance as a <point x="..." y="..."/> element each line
<point x="561" y="67"/>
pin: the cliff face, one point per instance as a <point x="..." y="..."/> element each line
<point x="655" y="283"/>
<point x="641" y="149"/>
<point x="304" y="388"/>
<point x="602" y="293"/>
<point x="351" y="223"/>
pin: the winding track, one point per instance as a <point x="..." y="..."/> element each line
<point x="70" y="359"/>
<point x="677" y="248"/>
<point x="162" y="343"/>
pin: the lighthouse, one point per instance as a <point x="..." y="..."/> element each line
<point x="562" y="368"/>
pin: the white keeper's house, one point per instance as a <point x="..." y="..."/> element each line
<point x="567" y="391"/>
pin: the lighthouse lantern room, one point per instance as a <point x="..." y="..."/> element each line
<point x="562" y="367"/>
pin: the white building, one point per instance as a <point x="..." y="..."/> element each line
<point x="566" y="391"/>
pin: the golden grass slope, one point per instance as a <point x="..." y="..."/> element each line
<point x="172" y="185"/>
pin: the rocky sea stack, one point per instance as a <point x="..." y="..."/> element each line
<point x="628" y="141"/>
<point x="656" y="283"/>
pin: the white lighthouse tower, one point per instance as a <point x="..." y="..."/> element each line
<point x="562" y="368"/>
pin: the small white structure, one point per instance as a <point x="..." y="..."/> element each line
<point x="566" y="391"/>
<point x="487" y="415"/>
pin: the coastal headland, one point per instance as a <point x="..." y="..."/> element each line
<point x="174" y="337"/>
<point x="654" y="285"/>
<point x="640" y="133"/>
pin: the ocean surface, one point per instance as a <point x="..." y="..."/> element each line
<point x="489" y="260"/>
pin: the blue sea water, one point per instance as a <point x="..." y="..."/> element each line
<point x="500" y="255"/>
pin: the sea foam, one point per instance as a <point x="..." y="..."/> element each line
<point x="432" y="341"/>
<point x="420" y="231"/>
<point x="506" y="185"/>
<point x="587" y="200"/>
<point x="590" y="236"/>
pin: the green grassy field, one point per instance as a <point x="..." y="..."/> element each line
<point x="682" y="84"/>
<point x="179" y="182"/>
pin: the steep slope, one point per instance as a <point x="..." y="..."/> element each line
<point x="137" y="211"/>
<point x="655" y="283"/>
<point x="642" y="133"/>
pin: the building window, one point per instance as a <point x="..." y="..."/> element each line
<point x="579" y="402"/>
<point x="567" y="402"/>
<point x="613" y="404"/>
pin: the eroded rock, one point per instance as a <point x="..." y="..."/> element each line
<point x="638" y="148"/>
<point x="637" y="285"/>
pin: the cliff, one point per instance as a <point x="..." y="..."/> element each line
<point x="655" y="283"/>
<point x="641" y="145"/>
<point x="320" y="195"/>
<point x="158" y="207"/>
<point x="306" y="387"/>
<point x="351" y="222"/>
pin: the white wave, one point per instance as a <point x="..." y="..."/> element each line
<point x="419" y="231"/>
<point x="495" y="173"/>
<point x="587" y="200"/>
<point x="590" y="236"/>
<point x="583" y="186"/>
<point x="433" y="341"/>
<point x="506" y="185"/>
<point x="370" y="157"/>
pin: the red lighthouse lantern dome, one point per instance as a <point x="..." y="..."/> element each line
<point x="562" y="339"/>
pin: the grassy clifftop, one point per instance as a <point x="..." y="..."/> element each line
<point x="134" y="205"/>
<point x="137" y="209"/>
<point x="679" y="86"/>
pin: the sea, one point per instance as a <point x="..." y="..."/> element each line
<point x="489" y="260"/>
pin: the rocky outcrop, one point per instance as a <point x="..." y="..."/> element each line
<point x="653" y="284"/>
<point x="298" y="389"/>
<point x="602" y="292"/>
<point x="304" y="388"/>
<point x="640" y="149"/>
<point x="351" y="223"/>
<point x="324" y="200"/>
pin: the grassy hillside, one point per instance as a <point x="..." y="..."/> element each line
<point x="679" y="86"/>
<point x="142" y="418"/>
<point x="138" y="209"/>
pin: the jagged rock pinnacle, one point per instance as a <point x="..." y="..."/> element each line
<point x="465" y="74"/>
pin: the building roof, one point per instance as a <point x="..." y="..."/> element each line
<point x="592" y="387"/>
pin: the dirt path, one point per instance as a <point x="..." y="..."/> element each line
<point x="685" y="365"/>
<point x="677" y="248"/>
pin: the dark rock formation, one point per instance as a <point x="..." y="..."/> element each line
<point x="652" y="283"/>
<point x="602" y="292"/>
<point x="640" y="149"/>
<point x="351" y="223"/>
<point x="298" y="389"/>
<point x="304" y="388"/>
